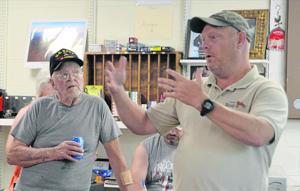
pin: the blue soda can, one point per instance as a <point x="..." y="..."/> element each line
<point x="81" y="141"/>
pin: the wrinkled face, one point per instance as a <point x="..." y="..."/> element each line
<point x="68" y="81"/>
<point x="219" y="44"/>
<point x="174" y="136"/>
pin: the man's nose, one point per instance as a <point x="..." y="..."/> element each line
<point x="204" y="45"/>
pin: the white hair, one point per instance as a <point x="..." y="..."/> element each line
<point x="42" y="81"/>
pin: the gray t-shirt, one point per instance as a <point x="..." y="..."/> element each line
<point x="48" y="123"/>
<point x="160" y="162"/>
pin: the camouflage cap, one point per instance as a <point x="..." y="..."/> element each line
<point x="222" y="19"/>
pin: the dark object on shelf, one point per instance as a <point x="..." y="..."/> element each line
<point x="2" y="95"/>
<point x="161" y="49"/>
<point x="133" y="40"/>
<point x="12" y="104"/>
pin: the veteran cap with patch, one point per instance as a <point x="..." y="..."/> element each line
<point x="62" y="56"/>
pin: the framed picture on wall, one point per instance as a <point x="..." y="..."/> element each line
<point x="193" y="45"/>
<point x="47" y="37"/>
<point x="190" y="69"/>
<point x="194" y="68"/>
<point x="258" y="20"/>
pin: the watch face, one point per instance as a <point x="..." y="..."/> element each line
<point x="207" y="105"/>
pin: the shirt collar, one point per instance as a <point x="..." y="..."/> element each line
<point x="242" y="83"/>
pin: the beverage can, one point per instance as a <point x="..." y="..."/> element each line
<point x="81" y="142"/>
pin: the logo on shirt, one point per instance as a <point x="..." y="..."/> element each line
<point x="236" y="104"/>
<point x="162" y="173"/>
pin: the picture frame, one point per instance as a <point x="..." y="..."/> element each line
<point x="195" y="67"/>
<point x="47" y="37"/>
<point x="193" y="46"/>
<point x="189" y="70"/>
<point x="258" y="20"/>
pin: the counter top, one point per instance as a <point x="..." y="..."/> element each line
<point x="6" y="122"/>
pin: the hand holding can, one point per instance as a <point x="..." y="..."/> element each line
<point x="81" y="142"/>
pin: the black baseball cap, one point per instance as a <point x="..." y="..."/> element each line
<point x="62" y="56"/>
<point x="222" y="19"/>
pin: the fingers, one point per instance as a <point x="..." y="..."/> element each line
<point x="167" y="84"/>
<point x="175" y="74"/>
<point x="122" y="66"/>
<point x="170" y="94"/>
<point x="109" y="66"/>
<point x="68" y="149"/>
<point x="123" y="61"/>
<point x="171" y="84"/>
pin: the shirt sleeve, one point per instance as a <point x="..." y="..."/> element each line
<point x="109" y="128"/>
<point x="164" y="116"/>
<point x="274" y="110"/>
<point x="26" y="129"/>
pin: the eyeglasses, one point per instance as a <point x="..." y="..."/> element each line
<point x="67" y="75"/>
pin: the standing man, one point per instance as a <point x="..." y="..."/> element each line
<point x="152" y="165"/>
<point x="232" y="121"/>
<point x="42" y="139"/>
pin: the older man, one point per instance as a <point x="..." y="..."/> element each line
<point x="43" y="143"/>
<point x="232" y="121"/>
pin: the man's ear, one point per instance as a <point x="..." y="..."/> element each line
<point x="52" y="83"/>
<point x="242" y="38"/>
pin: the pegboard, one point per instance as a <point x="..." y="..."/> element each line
<point x="3" y="37"/>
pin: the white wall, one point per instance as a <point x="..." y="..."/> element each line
<point x="116" y="19"/>
<point x="20" y="80"/>
<point x="207" y="7"/>
<point x="120" y="19"/>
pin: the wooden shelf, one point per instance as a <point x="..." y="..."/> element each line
<point x="143" y="70"/>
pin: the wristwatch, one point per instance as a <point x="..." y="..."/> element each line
<point x="207" y="106"/>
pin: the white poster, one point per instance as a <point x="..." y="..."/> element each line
<point x="48" y="37"/>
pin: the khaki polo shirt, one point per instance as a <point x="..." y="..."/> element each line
<point x="208" y="159"/>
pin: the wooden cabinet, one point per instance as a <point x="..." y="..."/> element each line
<point x="143" y="70"/>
